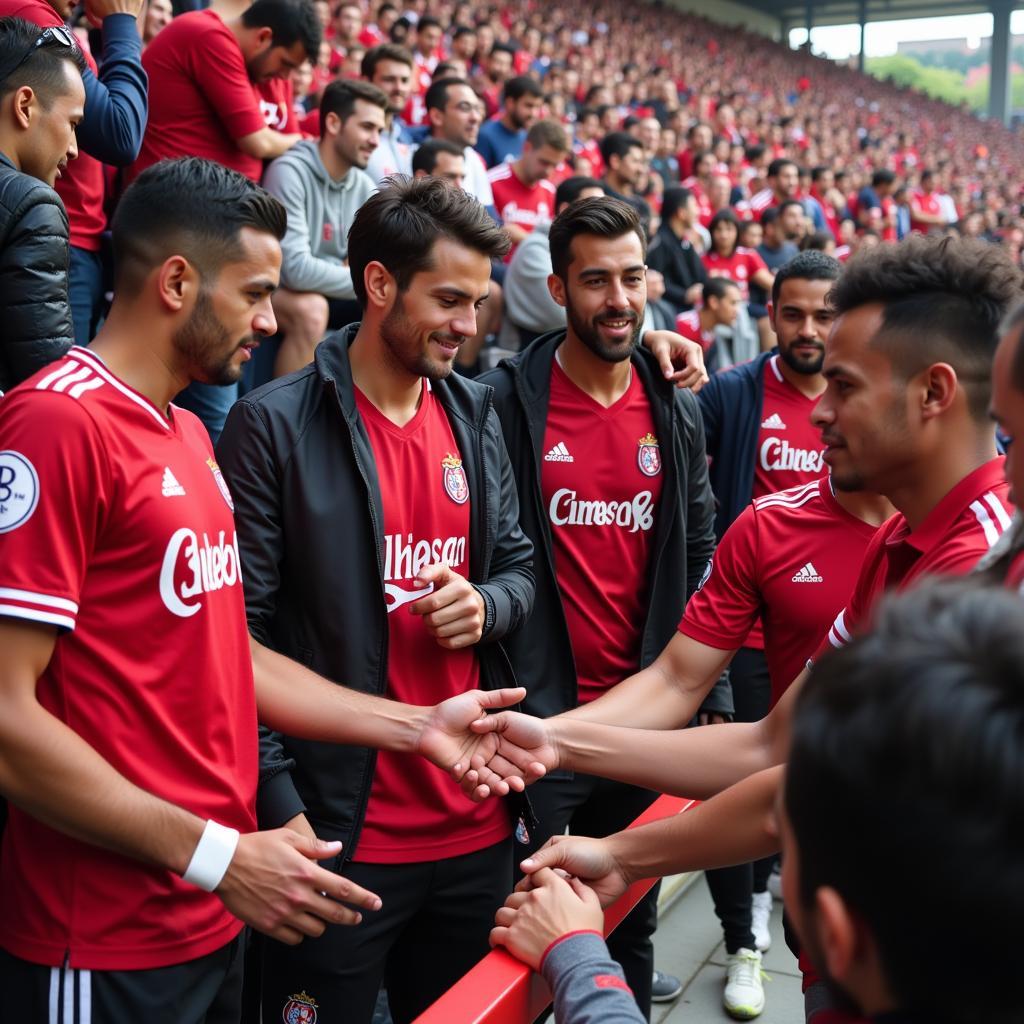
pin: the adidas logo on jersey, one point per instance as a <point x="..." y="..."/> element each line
<point x="170" y="487"/>
<point x="559" y="454"/>
<point x="774" y="422"/>
<point x="808" y="574"/>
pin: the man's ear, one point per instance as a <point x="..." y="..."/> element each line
<point x="839" y="933"/>
<point x="940" y="389"/>
<point x="178" y="283"/>
<point x="557" y="288"/>
<point x="380" y="285"/>
<point x="23" y="106"/>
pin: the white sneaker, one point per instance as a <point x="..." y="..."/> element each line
<point x="760" y="918"/>
<point x="743" y="998"/>
<point x="775" y="882"/>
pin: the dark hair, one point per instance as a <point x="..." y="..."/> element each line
<point x="716" y="287"/>
<point x="819" y="171"/>
<point x="340" y="96"/>
<point x="1013" y="321"/>
<point x="290" y="22"/>
<point x="427" y="22"/>
<point x="906" y="762"/>
<point x="463" y="30"/>
<point x="944" y="298"/>
<point x="779" y="164"/>
<point x="192" y="208"/>
<point x="819" y="241"/>
<point x="618" y="144"/>
<point x="386" y="51"/>
<point x="520" y="86"/>
<point x="436" y="96"/>
<point x="41" y="68"/>
<point x="503" y="48"/>
<point x="603" y="216"/>
<point x="425" y="157"/>
<point x="548" y="133"/>
<point x="584" y="112"/>
<point x="811" y="265"/>
<point x="771" y="215"/>
<point x="569" y="190"/>
<point x="673" y="200"/>
<point x="883" y="176"/>
<point x="399" y="226"/>
<point x="787" y="203"/>
<point x="726" y="216"/>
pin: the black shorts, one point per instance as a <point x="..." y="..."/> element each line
<point x="203" y="991"/>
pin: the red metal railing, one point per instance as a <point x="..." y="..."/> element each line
<point x="501" y="990"/>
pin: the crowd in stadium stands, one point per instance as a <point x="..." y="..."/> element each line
<point x="724" y="178"/>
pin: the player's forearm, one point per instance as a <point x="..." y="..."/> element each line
<point x="650" y="699"/>
<point x="690" y="762"/>
<point x="55" y="776"/>
<point x="298" y="702"/>
<point x="735" y="827"/>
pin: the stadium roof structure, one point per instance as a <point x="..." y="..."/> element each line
<point x="797" y="13"/>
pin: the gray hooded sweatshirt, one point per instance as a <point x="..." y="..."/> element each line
<point x="320" y="212"/>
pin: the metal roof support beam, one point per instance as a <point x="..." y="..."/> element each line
<point x="863" y="22"/>
<point x="999" y="61"/>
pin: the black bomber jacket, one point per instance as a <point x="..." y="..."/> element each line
<point x="310" y="532"/>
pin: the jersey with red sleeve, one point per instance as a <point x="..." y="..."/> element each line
<point x="950" y="542"/>
<point x="116" y="527"/>
<point x="740" y="267"/>
<point x="789" y="448"/>
<point x="591" y="152"/>
<point x="789" y="561"/>
<point x="200" y="96"/>
<point x="601" y="482"/>
<point x="414" y="812"/>
<point x="518" y="203"/>
<point x="688" y="325"/>
<point x="927" y="203"/>
<point x="276" y="98"/>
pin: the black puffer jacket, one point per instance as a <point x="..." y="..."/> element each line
<point x="34" y="253"/>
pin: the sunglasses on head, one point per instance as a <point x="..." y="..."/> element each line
<point x="59" y="34"/>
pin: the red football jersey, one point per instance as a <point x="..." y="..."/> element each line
<point x="688" y="325"/>
<point x="518" y="204"/>
<point x="927" y="203"/>
<point x="789" y="561"/>
<point x="951" y="540"/>
<point x="200" y="96"/>
<point x="116" y="527"/>
<point x="789" y="448"/>
<point x="415" y="812"/>
<point x="740" y="267"/>
<point x="601" y="482"/>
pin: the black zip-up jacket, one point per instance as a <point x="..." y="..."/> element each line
<point x="310" y="533"/>
<point x="541" y="651"/>
<point x="34" y="254"/>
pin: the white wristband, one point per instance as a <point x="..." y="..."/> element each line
<point x="212" y="856"/>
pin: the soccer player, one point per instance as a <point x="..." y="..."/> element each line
<point x="379" y="539"/>
<point x="936" y="687"/>
<point x="905" y="414"/>
<point x="610" y="467"/>
<point x="523" y="195"/>
<point x="128" y="711"/>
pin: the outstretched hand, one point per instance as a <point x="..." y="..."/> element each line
<point x="530" y="922"/>
<point x="523" y="746"/>
<point x="590" y="860"/>
<point x="681" y="360"/>
<point x="459" y="738"/>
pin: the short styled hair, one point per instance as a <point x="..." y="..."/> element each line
<point x="427" y="152"/>
<point x="341" y="95"/>
<point x="810" y="265"/>
<point x="40" y="67"/>
<point x="290" y="22"/>
<point x="520" y="86"/>
<point x="569" y="190"/>
<point x="618" y="144"/>
<point x="943" y="300"/>
<point x="717" y="287"/>
<point x="603" y="216"/>
<point x="913" y="735"/>
<point x="673" y="200"/>
<point x="188" y="207"/>
<point x="377" y="54"/>
<point x="436" y="96"/>
<point x="548" y="133"/>
<point x="399" y="226"/>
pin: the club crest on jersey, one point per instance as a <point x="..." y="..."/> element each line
<point x="222" y="484"/>
<point x="300" y="1009"/>
<point x="649" y="456"/>
<point x="455" y="482"/>
<point x="19" y="490"/>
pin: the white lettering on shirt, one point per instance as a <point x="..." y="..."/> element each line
<point x="212" y="567"/>
<point x="777" y="453"/>
<point x="566" y="510"/>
